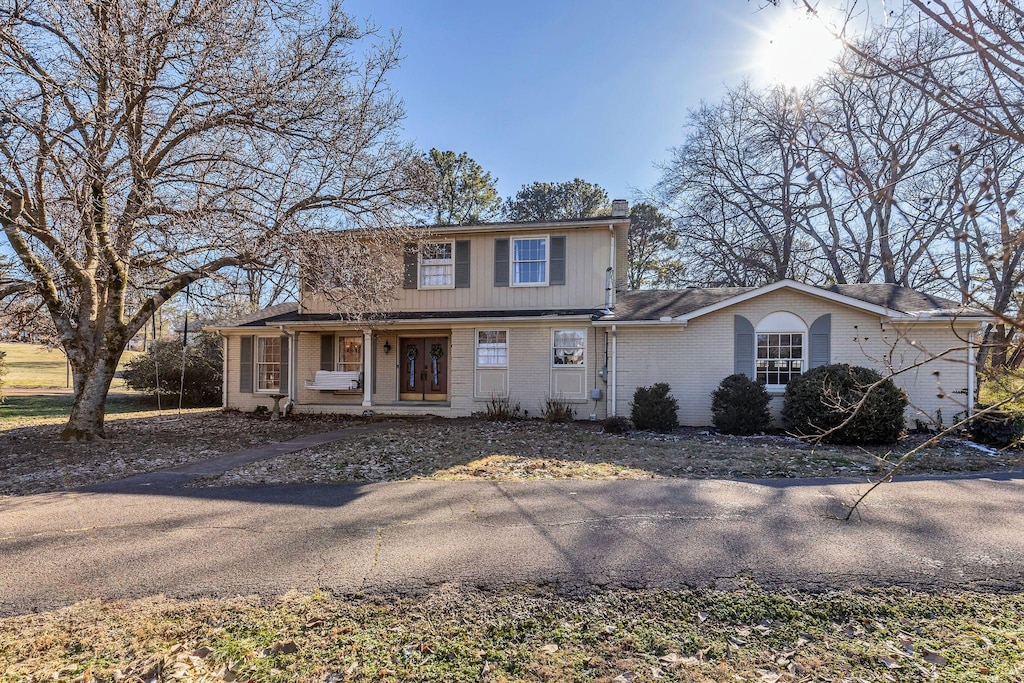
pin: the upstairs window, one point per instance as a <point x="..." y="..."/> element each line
<point x="530" y="261"/>
<point x="437" y="265"/>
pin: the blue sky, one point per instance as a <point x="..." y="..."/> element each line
<point x="554" y="90"/>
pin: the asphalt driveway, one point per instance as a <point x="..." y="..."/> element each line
<point x="149" y="538"/>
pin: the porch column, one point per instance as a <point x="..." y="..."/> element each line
<point x="367" y="368"/>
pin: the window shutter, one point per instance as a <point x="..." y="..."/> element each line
<point x="461" y="263"/>
<point x="821" y="341"/>
<point x="743" y="347"/>
<point x="556" y="275"/>
<point x="327" y="352"/>
<point x="410" y="257"/>
<point x="245" y="371"/>
<point x="501" y="263"/>
<point x="284" y="388"/>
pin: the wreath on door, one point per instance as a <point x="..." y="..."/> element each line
<point x="411" y="353"/>
<point x="436" y="351"/>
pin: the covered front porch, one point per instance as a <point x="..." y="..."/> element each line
<point x="349" y="370"/>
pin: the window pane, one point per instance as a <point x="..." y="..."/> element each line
<point x="436" y="266"/>
<point x="568" y="347"/>
<point x="491" y="348"/>
<point x="529" y="261"/>
<point x="350" y="354"/>
<point x="778" y="358"/>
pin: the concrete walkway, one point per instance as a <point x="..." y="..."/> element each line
<point x="575" y="535"/>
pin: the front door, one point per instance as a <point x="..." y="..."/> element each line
<point x="424" y="374"/>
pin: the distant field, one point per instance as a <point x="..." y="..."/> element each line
<point x="34" y="366"/>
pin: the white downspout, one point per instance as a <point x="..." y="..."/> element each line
<point x="971" y="374"/>
<point x="612" y="380"/>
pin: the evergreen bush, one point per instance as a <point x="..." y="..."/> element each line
<point x="654" y="408"/>
<point x="203" y="370"/>
<point x="740" y="406"/>
<point x="820" y="400"/>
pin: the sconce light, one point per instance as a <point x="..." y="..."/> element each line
<point x="387" y="347"/>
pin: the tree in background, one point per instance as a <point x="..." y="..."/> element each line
<point x="980" y="77"/>
<point x="458" y="190"/>
<point x="555" y="201"/>
<point x="652" y="249"/>
<point x="203" y="370"/>
<point x="735" y="188"/>
<point x="144" y="147"/>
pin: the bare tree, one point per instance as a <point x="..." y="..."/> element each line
<point x="736" y="186"/>
<point x="980" y="78"/>
<point x="872" y="146"/>
<point x="148" y="145"/>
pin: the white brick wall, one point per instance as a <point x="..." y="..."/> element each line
<point x="694" y="359"/>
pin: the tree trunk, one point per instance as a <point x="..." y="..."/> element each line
<point x="92" y="382"/>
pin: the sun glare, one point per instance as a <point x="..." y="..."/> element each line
<point x="795" y="50"/>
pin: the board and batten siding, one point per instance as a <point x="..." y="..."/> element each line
<point x="587" y="256"/>
<point x="695" y="358"/>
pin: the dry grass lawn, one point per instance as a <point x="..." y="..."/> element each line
<point x="527" y="634"/>
<point x="34" y="460"/>
<point x="38" y="366"/>
<point x="453" y="449"/>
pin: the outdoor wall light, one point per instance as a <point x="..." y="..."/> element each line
<point x="387" y="347"/>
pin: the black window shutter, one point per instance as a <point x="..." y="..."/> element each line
<point x="743" y="347"/>
<point x="501" y="264"/>
<point x="461" y="263"/>
<point x="284" y="367"/>
<point x="327" y="352"/>
<point x="245" y="371"/>
<point x="821" y="341"/>
<point x="556" y="275"/>
<point x="410" y="258"/>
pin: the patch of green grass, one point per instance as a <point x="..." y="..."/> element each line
<point x="35" y="366"/>
<point x="528" y="633"/>
<point x="35" y="410"/>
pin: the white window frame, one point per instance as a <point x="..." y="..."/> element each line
<point x="450" y="262"/>
<point x="339" y="348"/>
<point x="574" y="366"/>
<point x="782" y="322"/>
<point x="257" y="364"/>
<point x="476" y="349"/>
<point x="512" y="261"/>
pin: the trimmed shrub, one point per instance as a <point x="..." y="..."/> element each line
<point x="654" y="408"/>
<point x="203" y="363"/>
<point x="617" y="424"/>
<point x="999" y="428"/>
<point x="558" y="410"/>
<point x="740" y="406"/>
<point x="820" y="400"/>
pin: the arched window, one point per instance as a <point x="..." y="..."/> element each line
<point x="781" y="349"/>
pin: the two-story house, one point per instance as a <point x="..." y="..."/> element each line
<point x="539" y="309"/>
